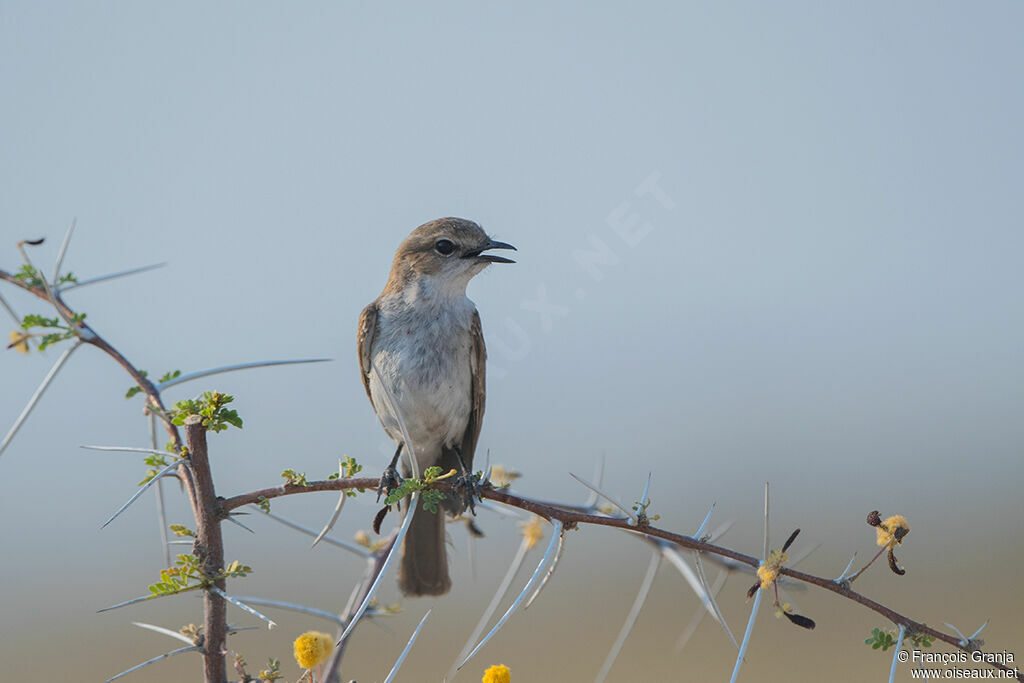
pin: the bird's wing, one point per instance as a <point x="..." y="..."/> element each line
<point x="477" y="390"/>
<point x="364" y="344"/>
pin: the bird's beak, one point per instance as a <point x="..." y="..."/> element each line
<point x="490" y="258"/>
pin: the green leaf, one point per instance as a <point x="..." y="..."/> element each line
<point x="168" y="376"/>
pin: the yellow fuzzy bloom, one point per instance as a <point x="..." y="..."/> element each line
<point x="499" y="673"/>
<point x="533" y="531"/>
<point x="501" y="476"/>
<point x="19" y="341"/>
<point x="890" y="533"/>
<point x="769" y="571"/>
<point x="313" y="648"/>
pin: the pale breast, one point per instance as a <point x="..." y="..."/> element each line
<point x="422" y="354"/>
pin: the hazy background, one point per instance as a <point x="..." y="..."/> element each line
<point x="826" y="296"/>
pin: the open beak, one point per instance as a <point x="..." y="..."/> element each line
<point x="491" y="258"/>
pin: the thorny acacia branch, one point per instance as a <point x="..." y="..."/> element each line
<point x="571" y="517"/>
<point x="87" y="335"/>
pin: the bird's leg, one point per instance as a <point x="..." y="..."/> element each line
<point x="389" y="478"/>
<point x="465" y="486"/>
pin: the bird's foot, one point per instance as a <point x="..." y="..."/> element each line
<point x="466" y="490"/>
<point x="389" y="481"/>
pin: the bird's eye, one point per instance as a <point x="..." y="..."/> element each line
<point x="444" y="247"/>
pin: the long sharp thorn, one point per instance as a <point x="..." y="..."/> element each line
<point x="156" y="659"/>
<point x="634" y="612"/>
<point x="499" y="595"/>
<point x="715" y="610"/>
<point x="556" y="532"/>
<point x="10" y="311"/>
<point x="351" y="547"/>
<point x="161" y="510"/>
<point x="746" y="637"/>
<point x="231" y="518"/>
<point x="241" y="605"/>
<point x="610" y="498"/>
<point x="963" y="639"/>
<point x="647" y="488"/>
<point x="598" y="476"/>
<point x="323" y="614"/>
<point x="707" y="518"/>
<point x="63" y="251"/>
<point x="232" y="368"/>
<point x="551" y="570"/>
<point x="405" y="650"/>
<point x="141" y="490"/>
<point x="842" y="576"/>
<point x="126" y="449"/>
<point x="37" y="395"/>
<point x="698" y="585"/>
<point x="413" y="501"/>
<point x="698" y="616"/>
<point x="764" y="556"/>
<point x="109" y="276"/>
<point x="128" y="602"/>
<point x="337" y="510"/>
<point x="896" y="653"/>
<point x="165" y="631"/>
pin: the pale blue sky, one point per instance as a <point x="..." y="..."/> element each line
<point x="830" y="298"/>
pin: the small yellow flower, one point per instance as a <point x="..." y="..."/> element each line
<point x="890" y="533"/>
<point x="782" y="609"/>
<point x="533" y="531"/>
<point x="19" y="341"/>
<point x="499" y="673"/>
<point x="362" y="538"/>
<point x="313" y="648"/>
<point x="502" y="476"/>
<point x="768" y="572"/>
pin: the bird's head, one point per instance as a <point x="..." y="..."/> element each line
<point x="444" y="253"/>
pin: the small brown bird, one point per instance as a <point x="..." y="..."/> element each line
<point x="421" y="339"/>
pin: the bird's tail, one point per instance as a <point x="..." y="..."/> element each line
<point x="424" y="567"/>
